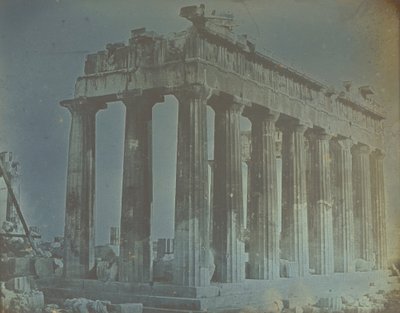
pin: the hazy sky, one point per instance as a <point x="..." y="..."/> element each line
<point x="43" y="44"/>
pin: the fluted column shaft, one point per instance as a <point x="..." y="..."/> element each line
<point x="192" y="213"/>
<point x="320" y="215"/>
<point x="378" y="209"/>
<point x="263" y="209"/>
<point x="79" y="213"/>
<point x="135" y="245"/>
<point x="362" y="202"/>
<point x="343" y="208"/>
<point x="294" y="198"/>
<point x="228" y="219"/>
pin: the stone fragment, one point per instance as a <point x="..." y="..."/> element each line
<point x="362" y="265"/>
<point x="126" y="308"/>
<point x="44" y="267"/>
<point x="19" y="284"/>
<point x="331" y="303"/>
<point x="15" y="267"/>
<point x="106" y="271"/>
<point x="364" y="302"/>
<point x="83" y="305"/>
<point x="348" y="300"/>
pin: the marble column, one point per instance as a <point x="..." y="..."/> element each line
<point x="79" y="213"/>
<point x="228" y="225"/>
<point x="294" y="198"/>
<point x="343" y="222"/>
<point x="320" y="212"/>
<point x="362" y="202"/>
<point x="263" y="209"/>
<point x="135" y="243"/>
<point x="192" y="212"/>
<point x="378" y="209"/>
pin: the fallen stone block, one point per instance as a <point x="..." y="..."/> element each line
<point x="19" y="284"/>
<point x="126" y="308"/>
<point x="106" y="271"/>
<point x="362" y="265"/>
<point x="44" y="267"/>
<point x="15" y="267"/>
<point x="331" y="303"/>
<point x="288" y="269"/>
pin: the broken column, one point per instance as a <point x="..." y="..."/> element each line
<point x="362" y="202"/>
<point x="343" y="222"/>
<point x="192" y="213"/>
<point x="263" y="205"/>
<point x="79" y="219"/>
<point x="135" y="244"/>
<point x="320" y="214"/>
<point x="228" y="219"/>
<point x="378" y="209"/>
<point x="294" y="198"/>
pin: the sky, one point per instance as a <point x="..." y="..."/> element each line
<point x="43" y="44"/>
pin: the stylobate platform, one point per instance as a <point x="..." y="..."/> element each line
<point x="160" y="297"/>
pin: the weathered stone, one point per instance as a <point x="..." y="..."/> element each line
<point x="79" y="217"/>
<point x="331" y="303"/>
<point x="135" y="248"/>
<point x="228" y="213"/>
<point x="263" y="208"/>
<point x="15" y="267"/>
<point x="192" y="211"/>
<point x="294" y="205"/>
<point x="363" y="265"/>
<point x="320" y="209"/>
<point x="19" y="284"/>
<point x="44" y="267"/>
<point x="127" y="308"/>
<point x="106" y="271"/>
<point x="378" y="209"/>
<point x="362" y="203"/>
<point x="343" y="219"/>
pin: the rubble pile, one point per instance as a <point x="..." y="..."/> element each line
<point x="19" y="266"/>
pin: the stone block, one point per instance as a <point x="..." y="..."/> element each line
<point x="288" y="269"/>
<point x="106" y="271"/>
<point x="19" y="284"/>
<point x="15" y="267"/>
<point x="127" y="308"/>
<point x="44" y="267"/>
<point x="294" y="302"/>
<point x="332" y="303"/>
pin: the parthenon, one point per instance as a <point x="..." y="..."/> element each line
<point x="332" y="210"/>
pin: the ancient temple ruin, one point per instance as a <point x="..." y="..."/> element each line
<point x="332" y="210"/>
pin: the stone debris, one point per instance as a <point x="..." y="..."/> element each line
<point x="44" y="267"/>
<point x="82" y="305"/>
<point x="363" y="265"/>
<point x="21" y="302"/>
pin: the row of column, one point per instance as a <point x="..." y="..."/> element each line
<point x="317" y="209"/>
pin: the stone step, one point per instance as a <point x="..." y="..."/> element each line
<point x="57" y="296"/>
<point x="160" y="310"/>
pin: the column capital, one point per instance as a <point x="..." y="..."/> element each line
<point x="360" y="149"/>
<point x="221" y="102"/>
<point x="320" y="134"/>
<point x="257" y="113"/>
<point x="345" y="143"/>
<point x="286" y="124"/>
<point x="193" y="92"/>
<point x="379" y="154"/>
<point x="83" y="105"/>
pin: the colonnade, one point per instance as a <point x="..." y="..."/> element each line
<point x="333" y="208"/>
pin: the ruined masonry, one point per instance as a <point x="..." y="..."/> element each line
<point x="333" y="206"/>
